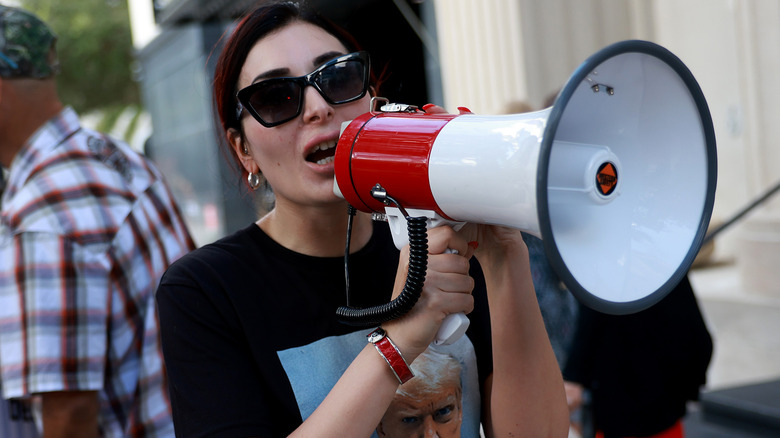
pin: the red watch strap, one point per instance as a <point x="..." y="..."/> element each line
<point x="393" y="357"/>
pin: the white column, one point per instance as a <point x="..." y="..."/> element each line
<point x="481" y="52"/>
<point x="142" y="24"/>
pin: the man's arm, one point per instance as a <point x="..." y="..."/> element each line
<point x="70" y="414"/>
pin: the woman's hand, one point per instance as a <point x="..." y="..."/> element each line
<point x="447" y="290"/>
<point x="430" y="108"/>
<point x="496" y="246"/>
<point x="574" y="395"/>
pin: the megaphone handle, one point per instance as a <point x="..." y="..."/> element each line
<point x="454" y="324"/>
<point x="451" y="329"/>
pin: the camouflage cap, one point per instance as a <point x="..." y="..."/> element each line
<point x="25" y="45"/>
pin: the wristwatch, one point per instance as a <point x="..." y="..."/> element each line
<point x="387" y="349"/>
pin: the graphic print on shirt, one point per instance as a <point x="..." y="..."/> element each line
<point x="443" y="396"/>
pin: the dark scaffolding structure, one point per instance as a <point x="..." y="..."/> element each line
<point x="176" y="71"/>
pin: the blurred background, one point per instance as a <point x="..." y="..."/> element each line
<point x="141" y="70"/>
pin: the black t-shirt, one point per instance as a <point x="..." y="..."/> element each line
<point x="251" y="339"/>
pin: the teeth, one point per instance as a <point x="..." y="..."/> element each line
<point x="324" y="146"/>
<point x="326" y="160"/>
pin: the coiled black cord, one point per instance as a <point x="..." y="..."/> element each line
<point x="415" y="278"/>
<point x="351" y="211"/>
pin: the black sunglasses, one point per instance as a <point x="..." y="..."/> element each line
<point x="278" y="100"/>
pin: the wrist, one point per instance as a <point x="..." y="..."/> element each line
<point x="499" y="260"/>
<point x="391" y="354"/>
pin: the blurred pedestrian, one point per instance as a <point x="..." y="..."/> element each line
<point x="87" y="227"/>
<point x="641" y="369"/>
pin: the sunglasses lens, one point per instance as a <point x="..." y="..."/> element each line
<point x="275" y="101"/>
<point x="343" y="81"/>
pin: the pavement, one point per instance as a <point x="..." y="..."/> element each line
<point x="742" y="395"/>
<point x="745" y="327"/>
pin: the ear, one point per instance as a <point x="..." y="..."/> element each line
<point x="242" y="151"/>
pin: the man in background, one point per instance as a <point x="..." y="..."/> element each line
<point x="87" y="227"/>
<point x="640" y="369"/>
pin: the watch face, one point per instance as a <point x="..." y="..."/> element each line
<point x="376" y="336"/>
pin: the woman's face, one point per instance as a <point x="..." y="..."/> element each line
<point x="296" y="157"/>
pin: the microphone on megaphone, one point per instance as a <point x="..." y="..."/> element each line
<point x="617" y="177"/>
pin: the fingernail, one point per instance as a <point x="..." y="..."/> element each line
<point x="474" y="244"/>
<point x="428" y="106"/>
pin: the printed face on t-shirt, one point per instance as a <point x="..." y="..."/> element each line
<point x="442" y="400"/>
<point x="420" y="412"/>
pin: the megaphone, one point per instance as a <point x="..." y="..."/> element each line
<point x="617" y="177"/>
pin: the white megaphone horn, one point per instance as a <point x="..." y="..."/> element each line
<point x="617" y="177"/>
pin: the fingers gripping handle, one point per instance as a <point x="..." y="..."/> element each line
<point x="454" y="325"/>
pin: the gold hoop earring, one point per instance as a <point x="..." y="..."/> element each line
<point x="253" y="179"/>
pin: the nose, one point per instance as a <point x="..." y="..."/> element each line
<point x="429" y="428"/>
<point x="315" y="107"/>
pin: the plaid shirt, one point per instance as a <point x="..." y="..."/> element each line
<point x="87" y="228"/>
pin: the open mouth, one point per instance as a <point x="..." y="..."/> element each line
<point x="323" y="153"/>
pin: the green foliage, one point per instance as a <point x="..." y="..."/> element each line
<point x="95" y="51"/>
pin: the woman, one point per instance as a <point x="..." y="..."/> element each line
<point x="250" y="334"/>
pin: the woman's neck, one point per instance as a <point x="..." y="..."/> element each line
<point x="319" y="231"/>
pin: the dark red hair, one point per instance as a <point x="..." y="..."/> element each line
<point x="257" y="24"/>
